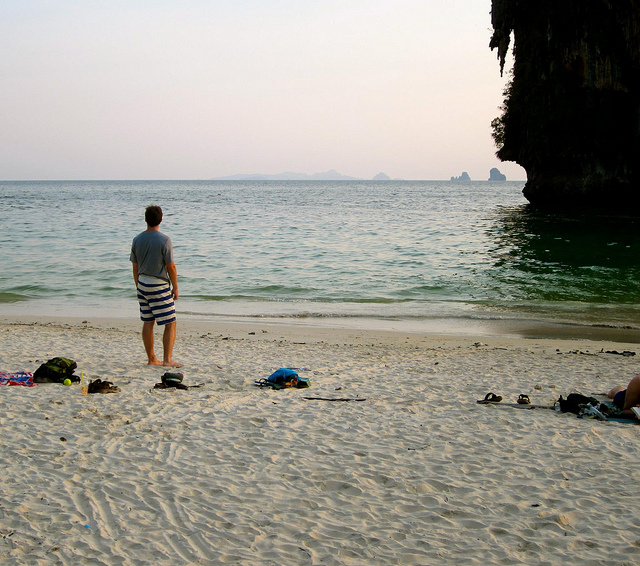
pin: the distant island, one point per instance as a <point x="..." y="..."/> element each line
<point x="464" y="178"/>
<point x="331" y="175"/>
<point x="495" y="175"/>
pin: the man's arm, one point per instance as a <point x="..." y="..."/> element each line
<point x="173" y="275"/>
<point x="135" y="273"/>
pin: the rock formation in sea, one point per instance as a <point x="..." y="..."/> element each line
<point x="571" y="114"/>
<point x="464" y="178"/>
<point x="382" y="177"/>
<point x="495" y="175"/>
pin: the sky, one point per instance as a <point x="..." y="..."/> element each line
<point x="196" y="89"/>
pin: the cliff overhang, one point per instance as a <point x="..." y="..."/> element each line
<point x="571" y="114"/>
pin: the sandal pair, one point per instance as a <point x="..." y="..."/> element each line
<point x="490" y="398"/>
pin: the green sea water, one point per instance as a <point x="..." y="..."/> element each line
<point x="397" y="250"/>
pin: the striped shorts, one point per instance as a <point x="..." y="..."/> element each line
<point x="156" y="301"/>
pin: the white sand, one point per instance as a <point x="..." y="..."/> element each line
<point x="228" y="473"/>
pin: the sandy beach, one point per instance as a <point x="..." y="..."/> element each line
<point x="415" y="473"/>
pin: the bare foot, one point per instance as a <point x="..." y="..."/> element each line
<point x="154" y="362"/>
<point x="172" y="364"/>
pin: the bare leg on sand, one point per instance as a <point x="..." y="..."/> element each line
<point x="168" y="340"/>
<point x="147" y="339"/>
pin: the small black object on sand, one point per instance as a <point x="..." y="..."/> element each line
<point x="99" y="386"/>
<point x="171" y="380"/>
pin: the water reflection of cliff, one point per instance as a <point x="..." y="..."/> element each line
<point x="559" y="257"/>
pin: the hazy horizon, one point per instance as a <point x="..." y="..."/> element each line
<point x="203" y="89"/>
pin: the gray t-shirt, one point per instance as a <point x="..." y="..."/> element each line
<point x="152" y="251"/>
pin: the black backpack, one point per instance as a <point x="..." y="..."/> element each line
<point x="573" y="402"/>
<point x="56" y="370"/>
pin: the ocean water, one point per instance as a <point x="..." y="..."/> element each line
<point x="396" y="250"/>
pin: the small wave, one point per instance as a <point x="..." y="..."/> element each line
<point x="311" y="299"/>
<point x="327" y="315"/>
<point x="12" y="298"/>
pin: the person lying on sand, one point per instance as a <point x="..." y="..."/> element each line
<point x="625" y="398"/>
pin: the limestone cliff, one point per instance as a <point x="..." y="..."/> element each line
<point x="571" y="115"/>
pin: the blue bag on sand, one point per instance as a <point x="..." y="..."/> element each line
<point x="284" y="377"/>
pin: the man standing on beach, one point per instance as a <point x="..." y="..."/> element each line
<point x="156" y="279"/>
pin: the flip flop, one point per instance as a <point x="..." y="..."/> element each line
<point x="175" y="385"/>
<point x="99" y="386"/>
<point x="524" y="399"/>
<point x="490" y="398"/>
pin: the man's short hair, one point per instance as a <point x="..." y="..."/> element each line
<point x="153" y="215"/>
